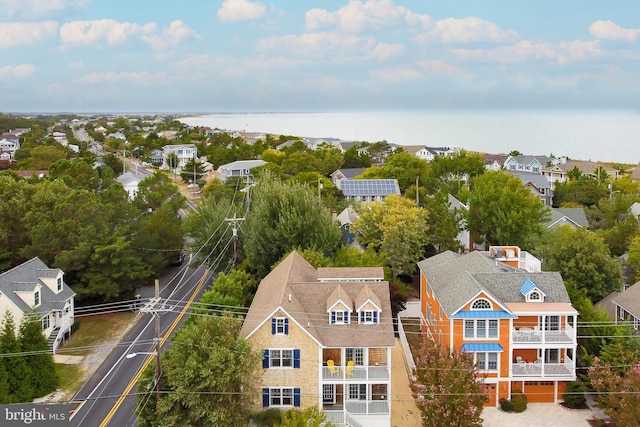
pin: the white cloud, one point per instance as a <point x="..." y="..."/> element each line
<point x="436" y="67"/>
<point x="320" y="44"/>
<point x="465" y="30"/>
<point x="241" y="10"/>
<point x="14" y="34"/>
<point x="384" y="51"/>
<point x="526" y="51"/>
<point x="84" y="33"/>
<point x="37" y="8"/>
<point x="607" y="30"/>
<point x="76" y="65"/>
<point x="138" y="78"/>
<point x="21" y="70"/>
<point x="359" y="16"/>
<point x="396" y="74"/>
<point x="174" y="35"/>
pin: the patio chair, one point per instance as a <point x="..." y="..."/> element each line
<point x="349" y="370"/>
<point x="332" y="368"/>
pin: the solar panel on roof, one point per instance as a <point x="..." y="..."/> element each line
<point x="368" y="187"/>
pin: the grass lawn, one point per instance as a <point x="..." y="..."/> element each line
<point x="90" y="332"/>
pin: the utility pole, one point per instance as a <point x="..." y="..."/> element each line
<point x="157" y="340"/>
<point x="417" y="192"/>
<point x="234" y="221"/>
<point x="319" y="188"/>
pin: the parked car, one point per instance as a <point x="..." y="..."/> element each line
<point x="179" y="259"/>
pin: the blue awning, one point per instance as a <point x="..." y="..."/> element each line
<point x="483" y="314"/>
<point x="481" y="347"/>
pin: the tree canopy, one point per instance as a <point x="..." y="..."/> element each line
<point x="504" y="212"/>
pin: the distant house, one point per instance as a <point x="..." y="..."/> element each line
<point x="33" y="290"/>
<point x="429" y="153"/>
<point x="523" y="163"/>
<point x="118" y="135"/>
<point x="536" y="183"/>
<point x="635" y="172"/>
<point x="627" y="307"/>
<point x="495" y="162"/>
<point x="9" y="144"/>
<point x="185" y="152"/>
<point x="345" y="218"/>
<point x="560" y="172"/>
<point x="157" y="156"/>
<point x="130" y="182"/>
<point x="573" y="217"/>
<point x="238" y="168"/>
<point x="326" y="337"/>
<point x="368" y="190"/>
<point x="347" y="173"/>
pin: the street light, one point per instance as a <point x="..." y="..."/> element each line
<point x="157" y="354"/>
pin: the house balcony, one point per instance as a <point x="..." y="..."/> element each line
<point x="352" y="410"/>
<point x="538" y="370"/>
<point x="355" y="373"/>
<point x="528" y="336"/>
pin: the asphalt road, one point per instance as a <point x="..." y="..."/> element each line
<point x="108" y="398"/>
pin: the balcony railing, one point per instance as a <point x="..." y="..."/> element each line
<point x="355" y="373"/>
<point x="537" y="336"/>
<point x="544" y="370"/>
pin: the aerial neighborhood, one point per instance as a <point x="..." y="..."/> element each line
<point x="356" y="283"/>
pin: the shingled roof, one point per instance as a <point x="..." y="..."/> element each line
<point x="456" y="279"/>
<point x="25" y="278"/>
<point x="293" y="287"/>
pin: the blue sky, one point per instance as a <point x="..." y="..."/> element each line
<point x="318" y="55"/>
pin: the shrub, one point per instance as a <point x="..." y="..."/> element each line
<point x="574" y="396"/>
<point x="519" y="402"/>
<point x="268" y="418"/>
<point x="506" y="405"/>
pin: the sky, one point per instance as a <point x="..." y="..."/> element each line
<point x="200" y="56"/>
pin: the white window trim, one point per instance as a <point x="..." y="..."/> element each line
<point x="281" y="358"/>
<point x="486" y="361"/>
<point x="482" y="300"/>
<point x="280" y="323"/>
<point x="475" y="329"/>
<point x="281" y="391"/>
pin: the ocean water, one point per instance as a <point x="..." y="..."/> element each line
<point x="605" y="136"/>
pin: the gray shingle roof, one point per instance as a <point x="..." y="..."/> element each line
<point x="25" y="277"/>
<point x="456" y="279"/>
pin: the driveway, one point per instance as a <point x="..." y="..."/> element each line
<point x="538" y="415"/>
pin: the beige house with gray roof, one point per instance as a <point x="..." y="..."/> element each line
<point x="326" y="336"/>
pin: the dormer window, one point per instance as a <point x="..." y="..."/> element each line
<point x="59" y="284"/>
<point x="481" y="304"/>
<point x="36" y="298"/>
<point x="339" y="317"/>
<point x="368" y="316"/>
<point x="535" y="296"/>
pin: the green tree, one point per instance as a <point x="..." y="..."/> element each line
<point x="445" y="223"/>
<point x="310" y="417"/>
<point x="193" y="171"/>
<point x="284" y="217"/>
<point x="209" y="377"/>
<point x="157" y="190"/>
<point x="210" y="235"/>
<point x="76" y="174"/>
<point x="503" y="211"/>
<point x="583" y="258"/>
<point x="44" y="379"/>
<point x="397" y="229"/>
<point x="446" y="388"/>
<point x="42" y="156"/>
<point x="172" y="161"/>
<point x="402" y="166"/>
<point x="19" y="375"/>
<point x="452" y="172"/>
<point x="230" y="293"/>
<point x="301" y="162"/>
<point x="354" y="158"/>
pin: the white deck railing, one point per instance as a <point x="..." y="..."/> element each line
<point x="356" y="373"/>
<point x="537" y="336"/>
<point x="544" y="370"/>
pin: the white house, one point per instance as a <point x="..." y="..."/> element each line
<point x="130" y="182"/>
<point x="185" y="152"/>
<point x="33" y="289"/>
<point x="238" y="168"/>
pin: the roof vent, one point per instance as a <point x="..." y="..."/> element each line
<point x="289" y="297"/>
